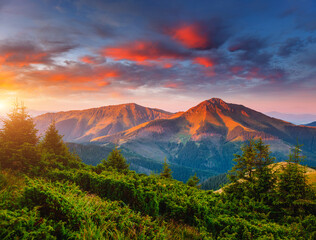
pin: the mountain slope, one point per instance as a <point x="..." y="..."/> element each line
<point x="84" y="125"/>
<point x="312" y="124"/>
<point x="207" y="135"/>
<point x="214" y="118"/>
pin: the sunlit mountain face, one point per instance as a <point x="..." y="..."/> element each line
<point x="202" y="139"/>
<point x="171" y="55"/>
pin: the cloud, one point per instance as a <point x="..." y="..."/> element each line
<point x="74" y="77"/>
<point x="93" y="59"/>
<point x="140" y="51"/>
<point x="199" y="35"/>
<point x="24" y="53"/>
<point x="251" y="49"/>
<point x="290" y="46"/>
<point x="204" y="61"/>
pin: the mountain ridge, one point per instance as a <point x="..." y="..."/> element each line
<point x="83" y="125"/>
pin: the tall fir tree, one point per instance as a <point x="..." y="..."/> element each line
<point x="53" y="142"/>
<point x="18" y="140"/>
<point x="166" y="171"/>
<point x="252" y="174"/>
<point x="294" y="190"/>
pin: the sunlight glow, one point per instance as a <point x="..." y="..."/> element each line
<point x="3" y="107"/>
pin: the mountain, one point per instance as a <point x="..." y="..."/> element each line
<point x="312" y="124"/>
<point x="293" y="118"/>
<point x="207" y="135"/>
<point x="84" y="125"/>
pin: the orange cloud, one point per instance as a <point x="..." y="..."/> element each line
<point x="190" y="36"/>
<point x="204" y="61"/>
<point x="173" y="85"/>
<point x="87" y="59"/>
<point x="141" y="51"/>
<point x="168" y="65"/>
<point x="22" y="59"/>
<point x="98" y="76"/>
<point x="92" y="59"/>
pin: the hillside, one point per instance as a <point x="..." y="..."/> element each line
<point x="206" y="136"/>
<point x="84" y="125"/>
<point x="46" y="192"/>
<point x="214" y="183"/>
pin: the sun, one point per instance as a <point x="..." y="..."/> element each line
<point x="3" y="107"/>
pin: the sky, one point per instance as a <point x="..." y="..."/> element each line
<point x="170" y="54"/>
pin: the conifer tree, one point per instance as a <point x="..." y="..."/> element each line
<point x="53" y="142"/>
<point x="293" y="187"/>
<point x="18" y="140"/>
<point x="193" y="181"/>
<point x="116" y="160"/>
<point x="19" y="128"/>
<point x="252" y="175"/>
<point x="166" y="171"/>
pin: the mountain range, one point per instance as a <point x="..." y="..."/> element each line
<point x="202" y="139"/>
<point x="312" y="124"/>
<point x="84" y="125"/>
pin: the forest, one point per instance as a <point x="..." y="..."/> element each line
<point x="46" y="192"/>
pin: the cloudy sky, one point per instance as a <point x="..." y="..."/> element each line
<point x="173" y="54"/>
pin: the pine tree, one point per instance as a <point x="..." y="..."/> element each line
<point x="166" y="171"/>
<point x="18" y="140"/>
<point x="293" y="187"/>
<point x="252" y="175"/>
<point x="53" y="142"/>
<point x="19" y="128"/>
<point x="193" y="181"/>
<point x="116" y="160"/>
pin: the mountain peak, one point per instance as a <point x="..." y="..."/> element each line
<point x="212" y="104"/>
<point x="216" y="101"/>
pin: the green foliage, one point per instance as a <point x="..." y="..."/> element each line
<point x="252" y="175"/>
<point x="193" y="181"/>
<point x="215" y="182"/>
<point x="166" y="171"/>
<point x="62" y="199"/>
<point x="53" y="142"/>
<point x="116" y="160"/>
<point x="18" y="140"/>
<point x="294" y="193"/>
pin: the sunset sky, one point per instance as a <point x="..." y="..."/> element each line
<point x="75" y="54"/>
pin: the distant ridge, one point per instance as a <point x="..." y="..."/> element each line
<point x="84" y="125"/>
<point x="312" y="124"/>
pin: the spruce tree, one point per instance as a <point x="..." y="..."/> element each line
<point x="253" y="174"/>
<point x="293" y="187"/>
<point x="193" y="181"/>
<point x="166" y="171"/>
<point x="116" y="160"/>
<point x="18" y="140"/>
<point x="53" y="142"/>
